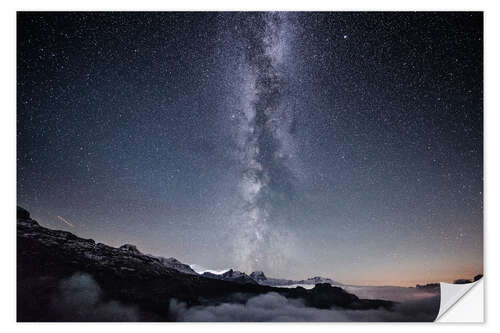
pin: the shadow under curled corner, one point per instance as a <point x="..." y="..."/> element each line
<point x="462" y="302"/>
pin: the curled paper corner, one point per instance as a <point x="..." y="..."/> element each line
<point x="461" y="302"/>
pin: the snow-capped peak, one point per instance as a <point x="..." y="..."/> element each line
<point x="258" y="276"/>
<point x="200" y="270"/>
<point x="175" y="264"/>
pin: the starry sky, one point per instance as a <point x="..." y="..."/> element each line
<point x="346" y="145"/>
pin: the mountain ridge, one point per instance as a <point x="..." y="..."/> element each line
<point x="262" y="279"/>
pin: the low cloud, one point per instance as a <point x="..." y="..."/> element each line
<point x="80" y="299"/>
<point x="391" y="293"/>
<point x="77" y="298"/>
<point x="273" y="307"/>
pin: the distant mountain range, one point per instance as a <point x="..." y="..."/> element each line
<point x="258" y="277"/>
<point x="262" y="279"/>
<point x="231" y="275"/>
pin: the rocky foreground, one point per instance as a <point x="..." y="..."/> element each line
<point x="47" y="258"/>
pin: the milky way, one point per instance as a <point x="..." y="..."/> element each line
<point x="264" y="143"/>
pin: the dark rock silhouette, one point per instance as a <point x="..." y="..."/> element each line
<point x="318" y="279"/>
<point x="464" y="281"/>
<point x="324" y="296"/>
<point x="429" y="286"/>
<point x="130" y="248"/>
<point x="22" y="213"/>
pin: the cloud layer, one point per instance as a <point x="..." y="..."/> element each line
<point x="273" y="307"/>
<point x="77" y="298"/>
<point x="81" y="299"/>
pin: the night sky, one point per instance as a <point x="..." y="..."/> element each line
<point x="346" y="145"/>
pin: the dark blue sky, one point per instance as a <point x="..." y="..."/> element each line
<point x="347" y="145"/>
